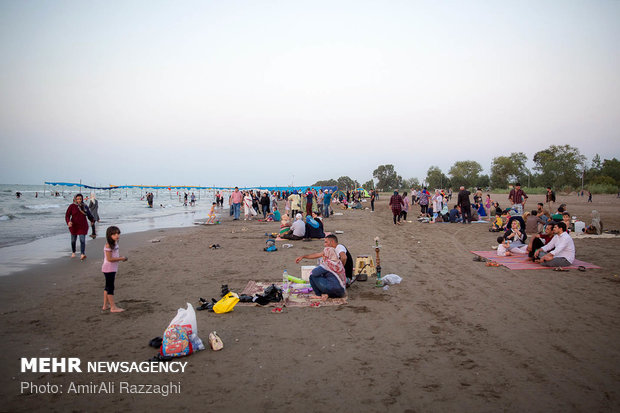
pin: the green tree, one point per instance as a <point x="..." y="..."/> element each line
<point x="387" y="178"/>
<point x="559" y="166"/>
<point x="611" y="167"/>
<point x="508" y="169"/>
<point x="410" y="183"/>
<point x="436" y="179"/>
<point x="465" y="173"/>
<point x="328" y="182"/>
<point x="344" y="183"/>
<point x="483" y="181"/>
<point x="368" y="185"/>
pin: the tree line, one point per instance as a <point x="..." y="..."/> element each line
<point x="561" y="167"/>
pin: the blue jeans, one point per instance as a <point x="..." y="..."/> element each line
<point x="237" y="210"/>
<point x="324" y="282"/>
<point x="326" y="210"/>
<point x="265" y="210"/>
<point x="82" y="243"/>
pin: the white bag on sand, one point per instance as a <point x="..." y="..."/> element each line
<point x="391" y="279"/>
<point x="186" y="318"/>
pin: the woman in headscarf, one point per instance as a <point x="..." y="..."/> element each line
<point x="248" y="210"/>
<point x="596" y="227"/>
<point x="396" y="203"/>
<point x="328" y="280"/>
<point x="93" y="205"/>
<point x="75" y="217"/>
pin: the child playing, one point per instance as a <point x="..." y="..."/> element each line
<point x="498" y="224"/>
<point x="211" y="214"/>
<point x="110" y="267"/>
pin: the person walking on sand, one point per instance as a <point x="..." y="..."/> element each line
<point x="76" y="219"/>
<point x="111" y="258"/>
<point x="236" y="197"/>
<point x="93" y="205"/>
<point x="396" y="204"/>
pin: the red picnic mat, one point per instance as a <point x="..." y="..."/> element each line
<point x="520" y="262"/>
<point x="294" y="300"/>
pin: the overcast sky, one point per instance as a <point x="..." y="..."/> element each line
<point x="281" y="92"/>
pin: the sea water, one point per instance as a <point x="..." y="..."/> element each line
<point x="33" y="228"/>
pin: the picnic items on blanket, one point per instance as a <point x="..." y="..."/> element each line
<point x="272" y="294"/>
<point x="181" y="337"/>
<point x="226" y="304"/>
<point x="215" y="341"/>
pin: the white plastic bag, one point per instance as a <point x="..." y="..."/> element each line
<point x="391" y="279"/>
<point x="186" y="318"/>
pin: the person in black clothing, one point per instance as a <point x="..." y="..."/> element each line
<point x="312" y="232"/>
<point x="264" y="203"/>
<point x="465" y="204"/>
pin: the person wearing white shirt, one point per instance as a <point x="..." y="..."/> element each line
<point x="560" y="251"/>
<point x="298" y="229"/>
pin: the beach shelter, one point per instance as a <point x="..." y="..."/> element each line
<point x="337" y="194"/>
<point x="364" y="192"/>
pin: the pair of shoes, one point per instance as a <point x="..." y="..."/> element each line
<point x="214" y="246"/>
<point x="581" y="268"/>
<point x="478" y="258"/>
<point x="560" y="269"/>
<point x="492" y="264"/>
<point x="277" y="310"/>
<point x="225" y="289"/>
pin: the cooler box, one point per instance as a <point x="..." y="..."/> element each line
<point x="579" y="226"/>
<point x="305" y="271"/>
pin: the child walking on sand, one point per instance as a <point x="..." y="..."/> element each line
<point x="109" y="268"/>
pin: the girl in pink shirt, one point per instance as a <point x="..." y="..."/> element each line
<point x="109" y="268"/>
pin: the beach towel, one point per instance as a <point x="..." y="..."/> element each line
<point x="294" y="300"/>
<point x="520" y="262"/>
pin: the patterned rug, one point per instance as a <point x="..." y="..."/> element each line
<point x="294" y="300"/>
<point x="520" y="262"/>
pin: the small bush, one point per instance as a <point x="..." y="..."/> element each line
<point x="603" y="189"/>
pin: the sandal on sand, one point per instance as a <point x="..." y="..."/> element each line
<point x="560" y="269"/>
<point x="315" y="304"/>
<point x="492" y="264"/>
<point x="581" y="268"/>
<point x="277" y="310"/>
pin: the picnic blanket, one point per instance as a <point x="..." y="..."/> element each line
<point x="294" y="300"/>
<point x="520" y="262"/>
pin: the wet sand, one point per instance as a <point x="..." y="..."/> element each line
<point x="455" y="335"/>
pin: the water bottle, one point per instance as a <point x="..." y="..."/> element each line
<point x="285" y="285"/>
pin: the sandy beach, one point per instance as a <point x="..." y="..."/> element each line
<point x="455" y="335"/>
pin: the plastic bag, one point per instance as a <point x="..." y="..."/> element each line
<point x="181" y="336"/>
<point x="226" y="304"/>
<point x="391" y="279"/>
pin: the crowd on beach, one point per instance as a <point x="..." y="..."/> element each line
<point x="550" y="241"/>
<point x="542" y="235"/>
